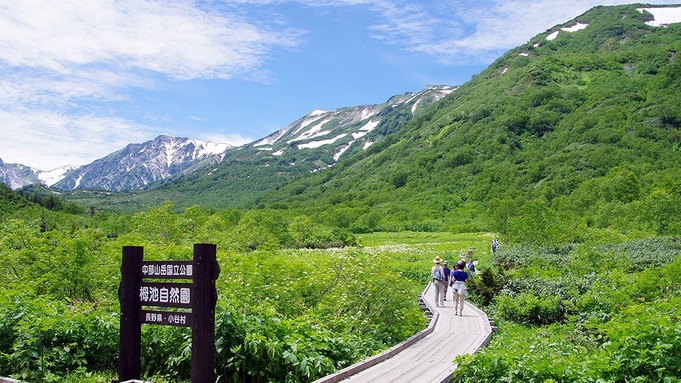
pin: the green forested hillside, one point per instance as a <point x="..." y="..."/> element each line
<point x="586" y="124"/>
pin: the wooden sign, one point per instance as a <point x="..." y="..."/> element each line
<point x="140" y="294"/>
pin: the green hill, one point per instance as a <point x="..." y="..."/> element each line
<point x="576" y="129"/>
<point x="586" y="124"/>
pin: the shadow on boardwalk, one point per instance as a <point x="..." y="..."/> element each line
<point x="427" y="356"/>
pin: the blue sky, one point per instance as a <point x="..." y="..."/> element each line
<point x="82" y="79"/>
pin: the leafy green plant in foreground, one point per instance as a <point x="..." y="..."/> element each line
<point x="283" y="315"/>
<point x="619" y="323"/>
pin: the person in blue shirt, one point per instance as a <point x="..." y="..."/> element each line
<point x="459" y="278"/>
<point x="446" y="272"/>
<point x="471" y="268"/>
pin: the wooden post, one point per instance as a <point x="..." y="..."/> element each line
<point x="129" y="350"/>
<point x="204" y="298"/>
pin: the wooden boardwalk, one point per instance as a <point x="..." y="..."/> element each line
<point x="427" y="356"/>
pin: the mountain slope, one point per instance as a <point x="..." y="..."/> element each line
<point x="588" y="117"/>
<point x="580" y="127"/>
<point x="138" y="165"/>
<point x="310" y="144"/>
<point x="17" y="175"/>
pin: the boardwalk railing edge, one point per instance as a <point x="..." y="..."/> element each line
<point x="387" y="354"/>
<point x="488" y="326"/>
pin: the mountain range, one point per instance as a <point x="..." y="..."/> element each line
<point x="133" y="167"/>
<point x="581" y="124"/>
<point x="318" y="140"/>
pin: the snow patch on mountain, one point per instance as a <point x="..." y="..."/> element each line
<point x="316" y="116"/>
<point x="340" y="151"/>
<point x="663" y="16"/>
<point x="367" y="113"/>
<point x="313" y="132"/>
<point x="269" y="140"/>
<point x="316" y="144"/>
<point x="413" y="107"/>
<point x="207" y="148"/>
<point x="370" y="125"/>
<point x="574" y="28"/>
<point x="53" y="176"/>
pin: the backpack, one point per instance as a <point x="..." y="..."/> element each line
<point x="437" y="275"/>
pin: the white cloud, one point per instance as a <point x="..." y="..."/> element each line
<point x="55" y="55"/>
<point x="173" y="38"/>
<point x="52" y="139"/>
<point x="471" y="31"/>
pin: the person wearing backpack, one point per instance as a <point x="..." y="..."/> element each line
<point x="437" y="276"/>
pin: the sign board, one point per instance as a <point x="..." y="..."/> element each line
<point x="140" y="294"/>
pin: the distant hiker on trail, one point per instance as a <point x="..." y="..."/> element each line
<point x="462" y="255"/>
<point x="458" y="284"/>
<point x="495" y="245"/>
<point x="470" y="253"/>
<point x="445" y="282"/>
<point x="437" y="276"/>
<point x="471" y="267"/>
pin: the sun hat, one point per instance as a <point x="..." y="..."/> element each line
<point x="437" y="259"/>
<point x="446" y="262"/>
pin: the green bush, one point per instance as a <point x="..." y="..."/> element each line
<point x="644" y="343"/>
<point x="528" y="308"/>
<point x="50" y="338"/>
<point x="486" y="285"/>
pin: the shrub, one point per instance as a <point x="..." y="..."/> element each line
<point x="528" y="308"/>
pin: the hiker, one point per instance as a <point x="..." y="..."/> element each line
<point x="458" y="284"/>
<point x="471" y="268"/>
<point x="445" y="282"/>
<point x="437" y="276"/>
<point x="495" y="245"/>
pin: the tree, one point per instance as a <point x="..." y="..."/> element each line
<point x="500" y="212"/>
<point x="534" y="224"/>
<point x="662" y="211"/>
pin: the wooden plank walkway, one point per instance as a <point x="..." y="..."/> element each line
<point x="427" y="356"/>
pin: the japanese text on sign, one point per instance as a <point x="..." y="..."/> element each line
<point x="167" y="318"/>
<point x="150" y="270"/>
<point x="171" y="295"/>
